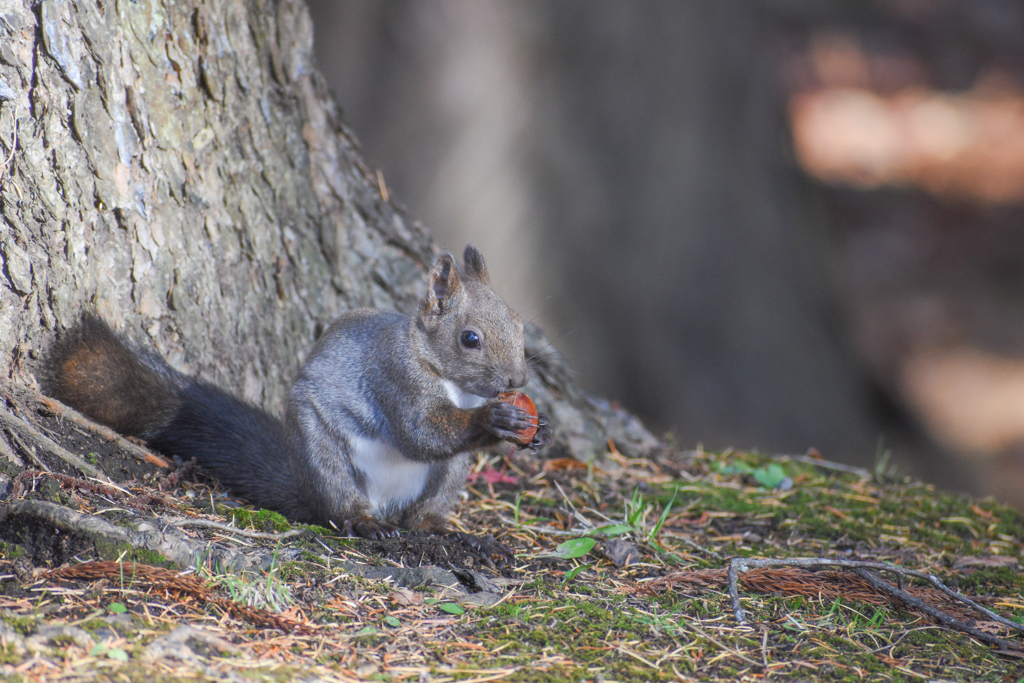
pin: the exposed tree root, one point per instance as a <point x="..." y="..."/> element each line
<point x="7" y="453"/>
<point x="37" y="438"/>
<point x="209" y="524"/>
<point x="150" y="534"/>
<point x="25" y="433"/>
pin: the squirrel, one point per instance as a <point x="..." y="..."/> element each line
<point x="380" y="420"/>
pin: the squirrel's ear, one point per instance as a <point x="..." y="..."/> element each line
<point x="442" y="285"/>
<point x="475" y="266"/>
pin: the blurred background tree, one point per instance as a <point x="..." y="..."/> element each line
<point x="777" y="225"/>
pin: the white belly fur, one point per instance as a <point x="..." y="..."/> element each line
<point x="392" y="480"/>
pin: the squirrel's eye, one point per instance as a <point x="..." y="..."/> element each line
<point x="470" y="339"/>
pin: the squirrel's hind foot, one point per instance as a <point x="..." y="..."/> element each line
<point x="368" y="527"/>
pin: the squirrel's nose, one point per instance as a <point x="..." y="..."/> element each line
<point x="518" y="379"/>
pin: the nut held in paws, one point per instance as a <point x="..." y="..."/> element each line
<point x="524" y="402"/>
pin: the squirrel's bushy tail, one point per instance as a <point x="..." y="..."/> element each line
<point x="92" y="370"/>
<point x="136" y="393"/>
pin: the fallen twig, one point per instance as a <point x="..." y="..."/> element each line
<point x="867" y="571"/>
<point x="943" y="618"/>
<point x="106" y="433"/>
<point x="29" y="451"/>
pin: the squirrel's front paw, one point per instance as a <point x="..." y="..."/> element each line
<point x="505" y="420"/>
<point x="543" y="436"/>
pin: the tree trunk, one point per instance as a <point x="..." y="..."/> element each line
<point x="180" y="168"/>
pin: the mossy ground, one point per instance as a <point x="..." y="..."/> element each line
<point x="583" y="618"/>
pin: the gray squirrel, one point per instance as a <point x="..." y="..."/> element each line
<point x="380" y="422"/>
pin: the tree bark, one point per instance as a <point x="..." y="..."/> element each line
<point x="180" y="168"/>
